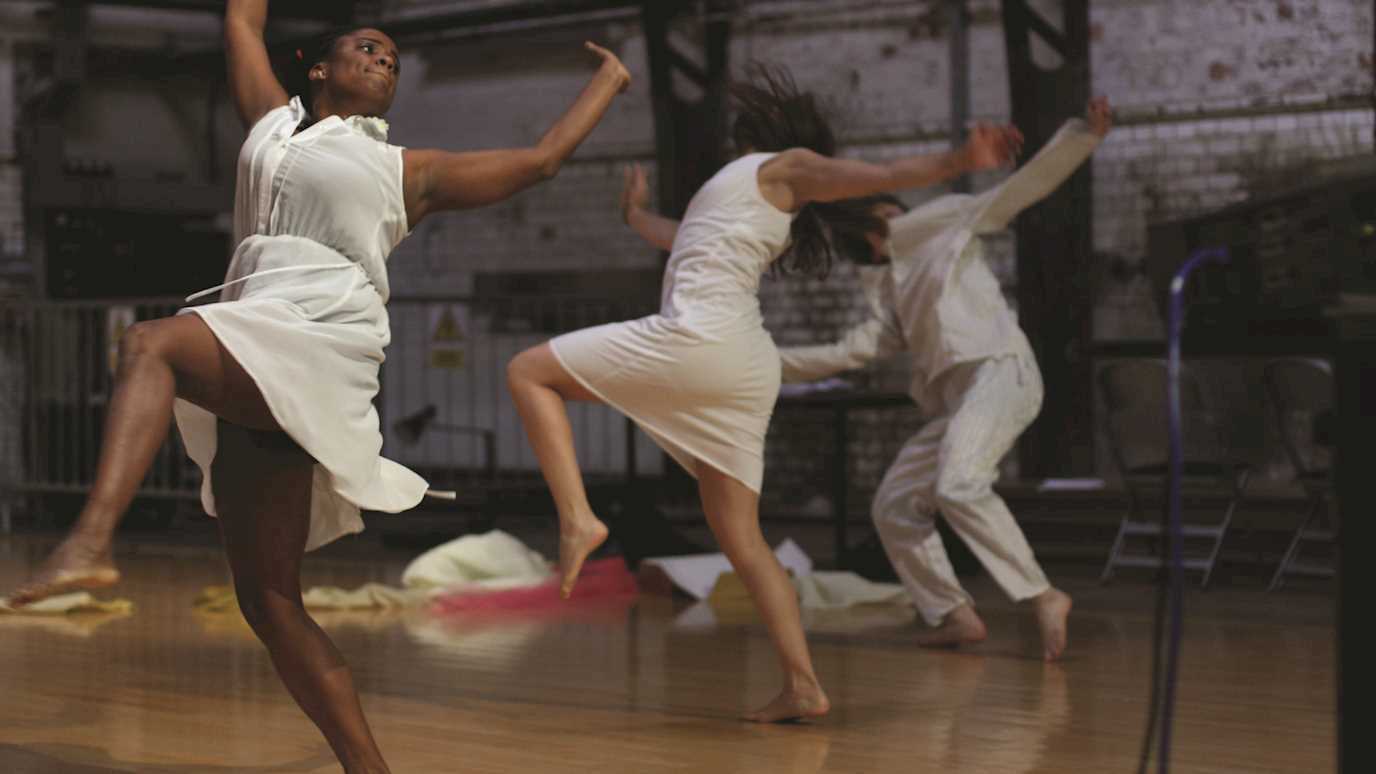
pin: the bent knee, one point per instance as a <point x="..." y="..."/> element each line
<point x="900" y="509"/>
<point x="533" y="367"/>
<point x="141" y="339"/>
<point x="266" y="611"/>
<point x="963" y="488"/>
<point x="521" y="369"/>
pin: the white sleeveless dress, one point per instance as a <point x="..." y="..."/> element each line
<point x="315" y="216"/>
<point x="701" y="377"/>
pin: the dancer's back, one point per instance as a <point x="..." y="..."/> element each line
<point x="728" y="238"/>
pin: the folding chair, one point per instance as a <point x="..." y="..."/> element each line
<point x="1134" y="394"/>
<point x="1300" y="391"/>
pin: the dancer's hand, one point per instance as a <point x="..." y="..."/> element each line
<point x="611" y="65"/>
<point x="635" y="191"/>
<point x="990" y="147"/>
<point x="1099" y="115"/>
<point x="636" y="213"/>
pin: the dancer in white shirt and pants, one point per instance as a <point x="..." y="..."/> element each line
<point x="976" y="381"/>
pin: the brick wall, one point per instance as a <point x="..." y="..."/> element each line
<point x="11" y="203"/>
<point x="1217" y="99"/>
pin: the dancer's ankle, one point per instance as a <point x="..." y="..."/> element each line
<point x="576" y="514"/>
<point x="801" y="682"/>
<point x="91" y="536"/>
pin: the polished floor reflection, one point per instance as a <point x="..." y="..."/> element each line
<point x="647" y="686"/>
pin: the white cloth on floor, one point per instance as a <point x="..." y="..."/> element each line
<point x="316" y="214"/>
<point x="698" y="575"/>
<point x="701" y="377"/>
<point x="825" y="590"/>
<point x="493" y="561"/>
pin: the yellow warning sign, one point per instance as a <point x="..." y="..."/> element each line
<point x="447" y="329"/>
<point x="117" y="321"/>
<point x="446" y="358"/>
<point x="448" y="332"/>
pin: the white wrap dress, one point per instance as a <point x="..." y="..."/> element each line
<point x="701" y="377"/>
<point x="316" y="214"/>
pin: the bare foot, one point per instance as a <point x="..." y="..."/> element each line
<point x="806" y="701"/>
<point x="962" y="626"/>
<point x="77" y="564"/>
<point x="577" y="539"/>
<point x="1052" y="608"/>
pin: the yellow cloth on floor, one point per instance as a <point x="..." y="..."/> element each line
<point x="64" y="604"/>
<point x="366" y="597"/>
<point x="370" y="596"/>
<point x="491" y="561"/>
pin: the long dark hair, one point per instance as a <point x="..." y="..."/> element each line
<point x="849" y="234"/>
<point x="772" y="115"/>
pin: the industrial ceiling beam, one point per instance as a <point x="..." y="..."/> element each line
<point x="335" y="11"/>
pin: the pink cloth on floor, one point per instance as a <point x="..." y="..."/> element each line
<point x="599" y="579"/>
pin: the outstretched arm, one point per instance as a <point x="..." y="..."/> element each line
<point x="877" y="337"/>
<point x="635" y="199"/>
<point x="440" y="180"/>
<point x="799" y="176"/>
<point x="255" y="88"/>
<point x="869" y="341"/>
<point x="1069" y="148"/>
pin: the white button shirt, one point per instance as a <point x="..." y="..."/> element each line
<point x="939" y="300"/>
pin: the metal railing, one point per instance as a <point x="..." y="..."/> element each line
<point x="56" y="373"/>
<point x="445" y="407"/>
<point x="445" y="375"/>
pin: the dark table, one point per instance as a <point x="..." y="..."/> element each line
<point x="839" y="404"/>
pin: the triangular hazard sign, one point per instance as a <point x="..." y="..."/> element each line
<point x="447" y="329"/>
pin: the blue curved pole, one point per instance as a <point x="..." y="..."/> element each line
<point x="1175" y="325"/>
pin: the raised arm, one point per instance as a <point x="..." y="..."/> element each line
<point x="635" y="199"/>
<point x="440" y="180"/>
<point x="799" y="176"/>
<point x="1069" y="148"/>
<point x="255" y="88"/>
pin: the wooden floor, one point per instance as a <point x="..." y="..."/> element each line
<point x="653" y="687"/>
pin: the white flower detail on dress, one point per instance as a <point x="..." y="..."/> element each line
<point x="372" y="126"/>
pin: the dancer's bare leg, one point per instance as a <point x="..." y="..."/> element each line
<point x="158" y="361"/>
<point x="539" y="387"/>
<point x="262" y="486"/>
<point x="733" y="512"/>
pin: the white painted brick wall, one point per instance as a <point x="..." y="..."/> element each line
<point x="1175" y="69"/>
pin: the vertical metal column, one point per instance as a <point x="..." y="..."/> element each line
<point x="1053" y="241"/>
<point x="690" y="131"/>
<point x="958" y="33"/>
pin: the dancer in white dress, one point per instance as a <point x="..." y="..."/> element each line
<point x="273" y="385"/>
<point x="974" y="377"/>
<point x="701" y="377"/>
